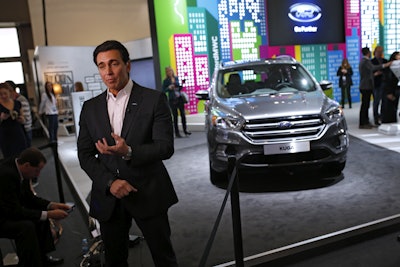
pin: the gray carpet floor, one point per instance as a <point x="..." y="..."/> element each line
<point x="277" y="209"/>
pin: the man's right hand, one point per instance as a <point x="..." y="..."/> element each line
<point x="121" y="188"/>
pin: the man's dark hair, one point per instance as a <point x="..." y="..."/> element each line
<point x="365" y="51"/>
<point x="111" y="45"/>
<point x="31" y="155"/>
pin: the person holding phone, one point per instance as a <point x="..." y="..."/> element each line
<point x="25" y="216"/>
<point x="176" y="101"/>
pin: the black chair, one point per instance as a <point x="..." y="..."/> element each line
<point x="235" y="86"/>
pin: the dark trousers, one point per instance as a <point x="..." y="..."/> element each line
<point x="175" y="106"/>
<point x="365" y="100"/>
<point x="346" y="94"/>
<point x="28" y="135"/>
<point x="389" y="109"/>
<point x="32" y="239"/>
<point x="156" y="231"/>
<point x="52" y="126"/>
<point x="378" y="94"/>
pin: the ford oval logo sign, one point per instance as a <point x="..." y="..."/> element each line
<point x="285" y="125"/>
<point x="304" y="12"/>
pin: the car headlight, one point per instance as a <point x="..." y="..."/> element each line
<point x="334" y="113"/>
<point x="225" y="121"/>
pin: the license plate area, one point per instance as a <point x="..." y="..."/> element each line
<point x="286" y="148"/>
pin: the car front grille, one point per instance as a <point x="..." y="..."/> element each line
<point x="284" y="128"/>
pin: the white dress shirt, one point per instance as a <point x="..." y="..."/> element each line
<point x="116" y="107"/>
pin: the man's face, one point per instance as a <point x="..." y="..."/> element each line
<point x="113" y="71"/>
<point x="29" y="172"/>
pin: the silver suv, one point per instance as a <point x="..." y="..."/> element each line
<point x="272" y="113"/>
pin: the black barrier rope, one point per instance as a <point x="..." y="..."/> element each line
<point x="237" y="232"/>
<point x="54" y="149"/>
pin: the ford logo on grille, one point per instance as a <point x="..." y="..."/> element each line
<point x="285" y="125"/>
<point x="304" y="12"/>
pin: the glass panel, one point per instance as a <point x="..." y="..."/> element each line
<point x="11" y="71"/>
<point x="9" y="45"/>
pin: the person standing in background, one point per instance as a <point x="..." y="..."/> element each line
<point x="345" y="81"/>
<point x="12" y="133"/>
<point x="48" y="107"/>
<point x="125" y="133"/>
<point x="367" y="69"/>
<point x="391" y="92"/>
<point x="379" y="83"/>
<point x="176" y="101"/>
<point x="26" y="112"/>
<point x="78" y="87"/>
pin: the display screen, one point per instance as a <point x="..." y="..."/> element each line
<point x="142" y="72"/>
<point x="292" y="22"/>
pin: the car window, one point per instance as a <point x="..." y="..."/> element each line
<point x="264" y="79"/>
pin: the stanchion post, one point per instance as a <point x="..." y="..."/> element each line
<point x="54" y="148"/>
<point x="236" y="218"/>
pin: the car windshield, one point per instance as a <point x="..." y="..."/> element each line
<point x="265" y="79"/>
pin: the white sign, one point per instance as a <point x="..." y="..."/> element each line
<point x="77" y="102"/>
<point x="286" y="148"/>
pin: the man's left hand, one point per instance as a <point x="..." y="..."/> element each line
<point x="119" y="149"/>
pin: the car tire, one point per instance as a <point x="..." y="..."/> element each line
<point x="217" y="177"/>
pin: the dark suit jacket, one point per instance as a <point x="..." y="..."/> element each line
<point x="367" y="69"/>
<point x="379" y="79"/>
<point x="17" y="202"/>
<point x="147" y="128"/>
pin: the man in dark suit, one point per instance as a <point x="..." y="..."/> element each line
<point x="125" y="134"/>
<point x="366" y="69"/>
<point x="24" y="216"/>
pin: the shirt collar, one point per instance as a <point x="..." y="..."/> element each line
<point x="126" y="91"/>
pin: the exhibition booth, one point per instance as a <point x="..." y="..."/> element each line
<point x="194" y="37"/>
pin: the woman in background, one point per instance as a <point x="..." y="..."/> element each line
<point x="48" y="107"/>
<point x="12" y="132"/>
<point x="176" y="101"/>
<point x="345" y="81"/>
<point x="78" y="87"/>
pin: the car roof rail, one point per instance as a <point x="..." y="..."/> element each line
<point x="286" y="57"/>
<point x="239" y="61"/>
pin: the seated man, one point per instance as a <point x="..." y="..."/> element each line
<point x="24" y="216"/>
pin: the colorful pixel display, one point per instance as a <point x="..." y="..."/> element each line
<point x="195" y="36"/>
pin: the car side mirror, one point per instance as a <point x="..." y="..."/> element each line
<point x="325" y="85"/>
<point x="202" y="95"/>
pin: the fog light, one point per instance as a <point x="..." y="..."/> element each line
<point x="342" y="141"/>
<point x="220" y="151"/>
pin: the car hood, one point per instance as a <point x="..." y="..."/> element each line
<point x="275" y="105"/>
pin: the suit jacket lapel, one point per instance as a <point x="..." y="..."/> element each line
<point x="103" y="112"/>
<point x="131" y="111"/>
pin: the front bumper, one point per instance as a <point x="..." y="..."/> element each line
<point x="330" y="147"/>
